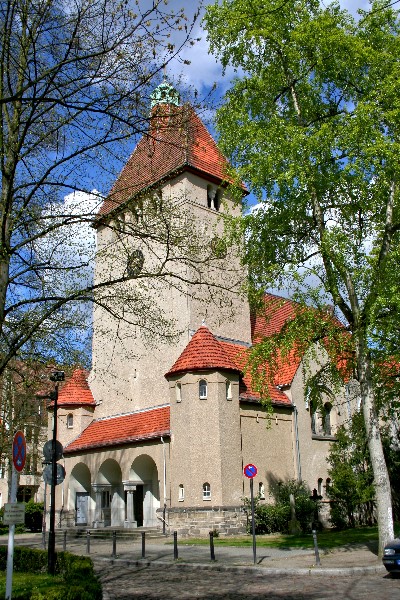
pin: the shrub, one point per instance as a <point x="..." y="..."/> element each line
<point x="34" y="515"/>
<point x="76" y="571"/>
<point x="272" y="518"/>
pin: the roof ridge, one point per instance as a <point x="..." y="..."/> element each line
<point x="133" y="412"/>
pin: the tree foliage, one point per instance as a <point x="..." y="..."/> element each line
<point x="312" y="124"/>
<point x="75" y="79"/>
<point x="352" y="488"/>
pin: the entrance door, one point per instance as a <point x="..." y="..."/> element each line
<point x="81" y="508"/>
<point x="138" y="505"/>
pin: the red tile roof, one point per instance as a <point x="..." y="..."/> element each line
<point x="177" y="141"/>
<point x="124" y="429"/>
<point x="276" y="312"/>
<point x="203" y="353"/>
<point x="76" y="391"/>
<point x="239" y="354"/>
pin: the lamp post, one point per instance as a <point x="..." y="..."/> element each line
<point x="56" y="376"/>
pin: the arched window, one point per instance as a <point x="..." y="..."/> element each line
<point x="327" y="485"/>
<point x="313" y="415"/>
<point x="70" y="421"/>
<point x="217" y="200"/>
<point x="203" y="389"/>
<point x="261" y="491"/>
<point x="210" y="196"/>
<point x="320" y="486"/>
<point x="181" y="493"/>
<point x="326" y="419"/>
<point x="178" y="391"/>
<point x="228" y="390"/>
<point x="206" y="491"/>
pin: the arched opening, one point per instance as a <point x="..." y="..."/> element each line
<point x="110" y="505"/>
<point x="142" y="493"/>
<point x="79" y="501"/>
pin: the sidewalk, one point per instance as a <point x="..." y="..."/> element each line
<point x="345" y="560"/>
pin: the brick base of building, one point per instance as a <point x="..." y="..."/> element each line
<point x="199" y="521"/>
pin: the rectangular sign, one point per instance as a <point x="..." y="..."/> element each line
<point x="14" y="512"/>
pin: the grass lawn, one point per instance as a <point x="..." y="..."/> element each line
<point x="326" y="539"/>
<point x="29" y="581"/>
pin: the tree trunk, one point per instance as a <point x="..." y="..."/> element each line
<point x="371" y="419"/>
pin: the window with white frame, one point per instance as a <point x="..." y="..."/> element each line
<point x="181" y="493"/>
<point x="228" y="390"/>
<point x="178" y="391"/>
<point x="203" y="389"/>
<point x="206" y="491"/>
<point x="70" y="421"/>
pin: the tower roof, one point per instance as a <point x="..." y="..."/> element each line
<point x="177" y="141"/>
<point x="76" y="391"/>
<point x="203" y="353"/>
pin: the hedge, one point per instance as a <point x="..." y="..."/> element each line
<point x="76" y="571"/>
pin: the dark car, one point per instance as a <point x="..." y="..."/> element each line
<point x="391" y="556"/>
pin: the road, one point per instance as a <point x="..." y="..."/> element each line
<point x="171" y="582"/>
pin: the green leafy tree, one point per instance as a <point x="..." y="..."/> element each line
<point x="312" y="124"/>
<point x="352" y="488"/>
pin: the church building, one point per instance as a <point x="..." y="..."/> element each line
<point x="161" y="432"/>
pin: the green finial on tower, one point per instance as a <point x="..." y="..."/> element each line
<point x="164" y="94"/>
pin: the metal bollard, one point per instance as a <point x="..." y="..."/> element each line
<point x="317" y="558"/>
<point x="175" y="545"/>
<point x="88" y="542"/>
<point x="65" y="540"/>
<point x="114" y="540"/>
<point x="212" y="552"/>
<point x="143" y="544"/>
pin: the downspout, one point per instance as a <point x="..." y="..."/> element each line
<point x="165" y="483"/>
<point x="296" y="432"/>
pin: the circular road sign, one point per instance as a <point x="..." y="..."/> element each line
<point x="19" y="451"/>
<point x="250" y="471"/>
<point x="48" y="450"/>
<point x="48" y="474"/>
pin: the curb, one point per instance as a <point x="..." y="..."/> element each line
<point x="247" y="568"/>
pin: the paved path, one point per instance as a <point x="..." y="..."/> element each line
<point x="169" y="582"/>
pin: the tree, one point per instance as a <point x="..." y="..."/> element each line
<point x="312" y="124"/>
<point x="352" y="488"/>
<point x="75" y="79"/>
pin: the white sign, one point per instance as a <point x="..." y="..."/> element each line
<point x="14" y="512"/>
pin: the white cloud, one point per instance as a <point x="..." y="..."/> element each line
<point x="69" y="249"/>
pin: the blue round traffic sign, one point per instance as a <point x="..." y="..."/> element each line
<point x="19" y="451"/>
<point x="250" y="471"/>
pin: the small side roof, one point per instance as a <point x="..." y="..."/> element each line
<point x="123" y="429"/>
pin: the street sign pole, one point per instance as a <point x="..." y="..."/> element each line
<point x="253" y="524"/>
<point x="11" y="532"/>
<point x="57" y="376"/>
<point x="52" y="534"/>
<point x="250" y="471"/>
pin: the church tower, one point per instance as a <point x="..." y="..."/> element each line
<point x="160" y="229"/>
